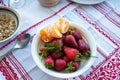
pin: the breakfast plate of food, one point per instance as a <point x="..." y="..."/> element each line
<point x="88" y="2"/>
<point x="63" y="49"/>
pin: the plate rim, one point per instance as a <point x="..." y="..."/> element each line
<point x="88" y="2"/>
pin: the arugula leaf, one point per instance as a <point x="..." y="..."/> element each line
<point x="49" y="66"/>
<point x="78" y="57"/>
<point x="53" y="47"/>
<point x="70" y="67"/>
<point x="57" y="47"/>
<point x="43" y="53"/>
<point x="50" y="46"/>
<point x="87" y="54"/>
<point x="72" y="30"/>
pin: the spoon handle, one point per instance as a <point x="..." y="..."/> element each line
<point x="4" y="55"/>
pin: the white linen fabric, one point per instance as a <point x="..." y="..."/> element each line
<point x="102" y="20"/>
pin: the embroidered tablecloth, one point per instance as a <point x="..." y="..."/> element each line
<point x="101" y="20"/>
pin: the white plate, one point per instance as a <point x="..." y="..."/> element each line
<point x="88" y="1"/>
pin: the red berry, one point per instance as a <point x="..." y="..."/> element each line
<point x="60" y="64"/>
<point x="77" y="35"/>
<point x="83" y="46"/>
<point x="76" y="65"/>
<point x="66" y="58"/>
<point x="59" y="40"/>
<point x="72" y="66"/>
<point x="70" y="52"/>
<point x="70" y="41"/>
<point x="67" y="33"/>
<point x="49" y="62"/>
<point x="56" y="55"/>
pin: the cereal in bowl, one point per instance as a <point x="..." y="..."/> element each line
<point x="7" y="25"/>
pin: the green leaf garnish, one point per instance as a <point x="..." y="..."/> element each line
<point x="70" y="66"/>
<point x="53" y="47"/>
<point x="49" y="46"/>
<point x="87" y="54"/>
<point x="49" y="66"/>
<point x="43" y="54"/>
<point x="57" y="47"/>
<point x="78" y="57"/>
<point x="72" y="30"/>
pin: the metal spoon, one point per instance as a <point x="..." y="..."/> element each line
<point x="20" y="43"/>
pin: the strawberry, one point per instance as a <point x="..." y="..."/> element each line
<point x="72" y="66"/>
<point x="70" y="41"/>
<point x="84" y="48"/>
<point x="70" y="52"/>
<point x="66" y="58"/>
<point x="77" y="35"/>
<point x="59" y="40"/>
<point x="56" y="55"/>
<point x="76" y="65"/>
<point x="49" y="62"/>
<point x="60" y="64"/>
<point x="67" y="33"/>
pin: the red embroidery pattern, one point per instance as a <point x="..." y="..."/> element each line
<point x="98" y="49"/>
<point x="109" y="69"/>
<point x="109" y="13"/>
<point x="7" y="70"/>
<point x="19" y="67"/>
<point x="79" y="11"/>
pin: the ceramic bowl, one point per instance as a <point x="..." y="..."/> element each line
<point x="85" y="65"/>
<point x="14" y="14"/>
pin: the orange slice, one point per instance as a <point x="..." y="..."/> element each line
<point x="55" y="32"/>
<point x="45" y="35"/>
<point x="63" y="25"/>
